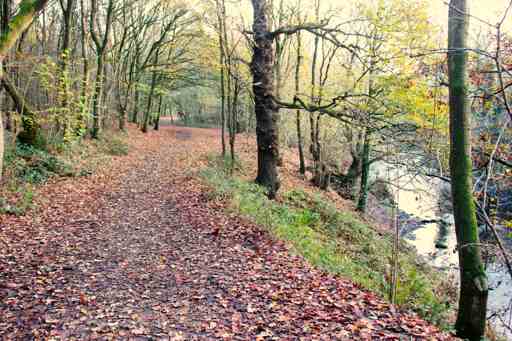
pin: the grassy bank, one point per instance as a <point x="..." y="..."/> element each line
<point x="27" y="167"/>
<point x="336" y="241"/>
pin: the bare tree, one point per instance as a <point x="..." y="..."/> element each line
<point x="100" y="40"/>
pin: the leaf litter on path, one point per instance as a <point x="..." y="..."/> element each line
<point x="135" y="252"/>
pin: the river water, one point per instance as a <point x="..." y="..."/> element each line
<point x="419" y="200"/>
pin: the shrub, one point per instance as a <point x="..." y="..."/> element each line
<point x="33" y="165"/>
<point x="113" y="145"/>
<point x="24" y="202"/>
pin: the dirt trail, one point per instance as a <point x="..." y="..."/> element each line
<point x="131" y="254"/>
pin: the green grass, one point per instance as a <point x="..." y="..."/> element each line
<point x="112" y="145"/>
<point x="27" y="167"/>
<point x="335" y="241"/>
<point x="32" y="165"/>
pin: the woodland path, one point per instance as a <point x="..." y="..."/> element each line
<point x="131" y="254"/>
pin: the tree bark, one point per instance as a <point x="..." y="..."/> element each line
<point x="18" y="25"/>
<point x="471" y="317"/>
<point x="221" y="18"/>
<point x="159" y="114"/>
<point x="2" y="147"/>
<point x="266" y="111"/>
<point x="354" y="173"/>
<point x="365" y="173"/>
<point x="82" y="123"/>
<point x="314" y="132"/>
<point x="6" y="9"/>
<point x="233" y="127"/>
<point x="101" y="46"/>
<point x="22" y="20"/>
<point x="28" y="116"/>
<point x="367" y="142"/>
<point x="135" y="113"/>
<point x="67" y="11"/>
<point x="145" y="121"/>
<point x="300" y="142"/>
<point x="98" y="82"/>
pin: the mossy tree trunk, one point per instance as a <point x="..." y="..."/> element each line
<point x="19" y="23"/>
<point x="26" y="14"/>
<point x="365" y="173"/>
<point x="28" y="116"/>
<point x="267" y="113"/>
<point x="353" y="177"/>
<point x="471" y="317"/>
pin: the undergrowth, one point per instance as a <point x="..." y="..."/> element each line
<point x="26" y="167"/>
<point x="335" y="241"/>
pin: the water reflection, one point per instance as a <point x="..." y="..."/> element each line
<point x="424" y="223"/>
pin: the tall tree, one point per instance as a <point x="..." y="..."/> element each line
<point x="471" y="317"/>
<point x="221" y="21"/>
<point x="154" y="75"/>
<point x="266" y="110"/>
<point x="19" y="23"/>
<point x="302" y="163"/>
<point x="67" y="11"/>
<point x="100" y="40"/>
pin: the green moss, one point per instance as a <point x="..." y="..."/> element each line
<point x="335" y="241"/>
<point x="26" y="12"/>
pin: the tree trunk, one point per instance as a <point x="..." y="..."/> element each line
<point x="145" y="121"/>
<point x="233" y="128"/>
<point x="101" y="46"/>
<point x="300" y="142"/>
<point x="65" y="51"/>
<point x="135" y="113"/>
<point x="221" y="15"/>
<point x="315" y="153"/>
<point x="223" y="107"/>
<point x="365" y="173"/>
<point x="266" y="111"/>
<point x="367" y="142"/>
<point x="96" y="122"/>
<point x="16" y="27"/>
<point x="82" y="123"/>
<point x="2" y="147"/>
<point x="28" y="116"/>
<point x="157" y="119"/>
<point x="22" y="20"/>
<point x="471" y="317"/>
<point x="6" y="8"/>
<point x="353" y="177"/>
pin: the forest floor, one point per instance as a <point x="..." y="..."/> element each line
<point x="136" y="251"/>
